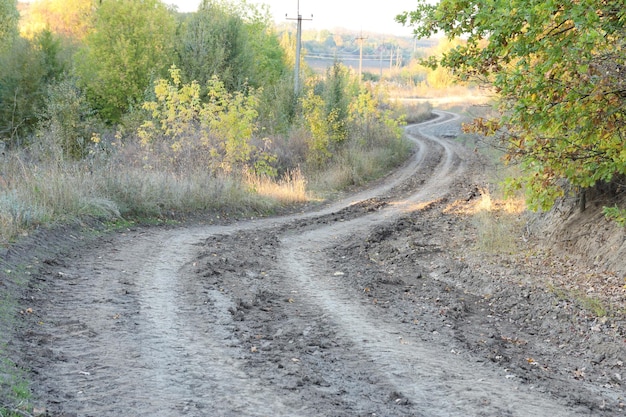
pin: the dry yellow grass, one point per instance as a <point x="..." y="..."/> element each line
<point x="289" y="189"/>
<point x="497" y="221"/>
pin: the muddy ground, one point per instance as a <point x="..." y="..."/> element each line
<point x="375" y="305"/>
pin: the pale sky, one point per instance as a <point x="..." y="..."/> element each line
<point x="366" y="16"/>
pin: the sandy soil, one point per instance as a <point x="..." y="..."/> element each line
<point x="374" y="305"/>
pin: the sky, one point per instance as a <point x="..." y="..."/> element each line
<point x="367" y="16"/>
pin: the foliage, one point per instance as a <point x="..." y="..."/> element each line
<point x="70" y="127"/>
<point x="269" y="63"/>
<point x="69" y="19"/>
<point x="8" y="21"/>
<point x="351" y="127"/>
<point x="277" y="107"/>
<point x="368" y="119"/>
<point x="317" y="123"/>
<point x="558" y="68"/>
<point x="325" y="110"/>
<point x="213" y="42"/>
<point x="28" y="66"/>
<point x="337" y="96"/>
<point x="233" y="41"/>
<point x="130" y="44"/>
<point x="222" y="127"/>
<point x="616" y="214"/>
<point x="442" y="77"/>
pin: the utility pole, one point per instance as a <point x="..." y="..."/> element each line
<point x="296" y="74"/>
<point x="360" y="39"/>
<point x="380" y="62"/>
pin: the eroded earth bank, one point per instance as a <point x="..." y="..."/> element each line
<point x="375" y="305"/>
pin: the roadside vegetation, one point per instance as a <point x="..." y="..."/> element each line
<point x="558" y="73"/>
<point x="192" y="112"/>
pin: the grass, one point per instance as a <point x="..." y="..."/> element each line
<point x="288" y="190"/>
<point x="594" y="305"/>
<point x="358" y="164"/>
<point x="497" y="221"/>
<point x="414" y="111"/>
<point x="48" y="193"/>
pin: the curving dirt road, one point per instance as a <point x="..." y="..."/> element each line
<point x="359" y="308"/>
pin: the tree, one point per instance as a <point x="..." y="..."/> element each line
<point x="130" y="45"/>
<point x="559" y="68"/>
<point x="224" y="123"/>
<point x="325" y="109"/>
<point x="269" y="61"/>
<point x="28" y="67"/>
<point x="8" y="21"/>
<point x="337" y="97"/>
<point x="233" y="41"/>
<point x="213" y="43"/>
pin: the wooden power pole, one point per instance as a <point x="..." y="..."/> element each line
<point x="296" y="71"/>
<point x="360" y="39"/>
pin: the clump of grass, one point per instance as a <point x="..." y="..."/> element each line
<point x="414" y="111"/>
<point x="290" y="189"/>
<point x="14" y="389"/>
<point x="497" y="221"/>
<point x="592" y="304"/>
<point x="357" y="164"/>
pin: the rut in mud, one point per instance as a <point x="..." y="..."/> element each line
<point x="361" y="308"/>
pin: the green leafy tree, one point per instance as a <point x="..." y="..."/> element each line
<point x="317" y="123"/>
<point x="234" y="41"/>
<point x="269" y="64"/>
<point x="325" y="109"/>
<point x="337" y="98"/>
<point x="28" y="67"/>
<point x="213" y="42"/>
<point x="8" y="21"/>
<point x="131" y="44"/>
<point x="559" y="68"/>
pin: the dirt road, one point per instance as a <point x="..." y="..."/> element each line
<point x="365" y="307"/>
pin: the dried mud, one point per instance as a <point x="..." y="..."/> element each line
<point x="375" y="305"/>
